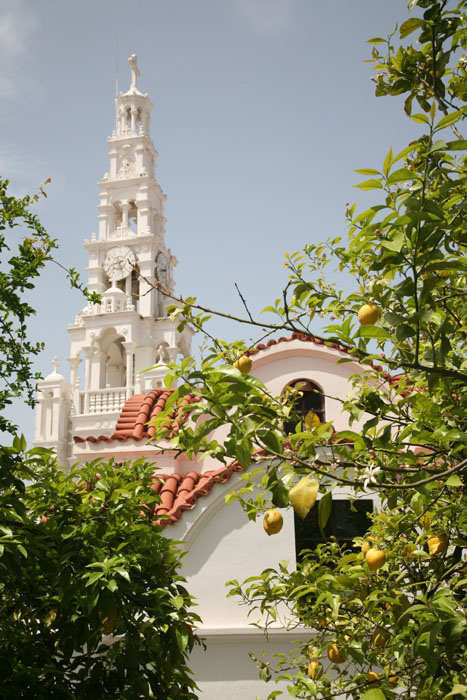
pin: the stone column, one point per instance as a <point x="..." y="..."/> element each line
<point x="146" y="293"/>
<point x="74" y="363"/>
<point x="129" y="346"/>
<point x="125" y="210"/>
<point x="87" y="350"/>
<point x="102" y="358"/>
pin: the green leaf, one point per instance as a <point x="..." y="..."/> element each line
<point x="280" y="495"/>
<point x="401" y="175"/>
<point x="374" y="332"/>
<point x="376" y="40"/>
<point x="23" y="551"/>
<point x="271" y="441"/>
<point x="457" y="689"/>
<point x="387" y="162"/>
<point x="409" y="26"/>
<point x="420" y="118"/>
<point x="454" y="480"/>
<point x="404" y="331"/>
<point x="373" y="694"/>
<point x="411" y="4"/>
<point x="178" y="602"/>
<point x="439" y="145"/>
<point x="324" y="511"/>
<point x="458" y="145"/>
<point x="448" y="120"/>
<point x="370" y="185"/>
<point x="396" y="243"/>
<point x="367" y="171"/>
<point x="182" y="638"/>
<point x="92" y="578"/>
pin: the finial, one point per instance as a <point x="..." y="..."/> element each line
<point x="56" y="364"/>
<point x="134" y="71"/>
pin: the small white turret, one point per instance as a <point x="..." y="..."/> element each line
<point x="53" y="412"/>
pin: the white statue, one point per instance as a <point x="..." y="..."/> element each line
<point x="134" y="71"/>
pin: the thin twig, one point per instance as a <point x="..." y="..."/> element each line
<point x="244" y="302"/>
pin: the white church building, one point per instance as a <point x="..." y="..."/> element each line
<point x="102" y="408"/>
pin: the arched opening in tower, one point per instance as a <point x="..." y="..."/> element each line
<point x="112" y="360"/>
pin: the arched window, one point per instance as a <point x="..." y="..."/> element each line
<point x="308" y="402"/>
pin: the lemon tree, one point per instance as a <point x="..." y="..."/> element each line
<point x="388" y="621"/>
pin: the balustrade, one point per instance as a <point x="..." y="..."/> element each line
<point x="104" y="400"/>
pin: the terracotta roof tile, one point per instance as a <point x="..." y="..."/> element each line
<point x="180" y="492"/>
<point x="295" y="336"/>
<point x="138" y="410"/>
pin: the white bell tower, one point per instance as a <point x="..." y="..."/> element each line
<point x="113" y="342"/>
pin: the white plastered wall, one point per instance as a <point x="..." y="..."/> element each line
<point x="222" y="544"/>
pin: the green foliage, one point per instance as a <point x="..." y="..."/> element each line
<point x="406" y="441"/>
<point x="91" y="604"/>
<point x="28" y="255"/>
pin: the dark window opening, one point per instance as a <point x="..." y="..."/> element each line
<point x="309" y="401"/>
<point x="348" y="519"/>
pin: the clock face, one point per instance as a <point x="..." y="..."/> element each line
<point x="119" y="262"/>
<point x="162" y="269"/>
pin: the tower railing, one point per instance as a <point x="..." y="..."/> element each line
<point x="103" y="400"/>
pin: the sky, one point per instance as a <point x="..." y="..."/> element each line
<point x="263" y="109"/>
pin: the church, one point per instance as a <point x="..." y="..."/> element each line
<point x="104" y="406"/>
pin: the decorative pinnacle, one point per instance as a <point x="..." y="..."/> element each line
<point x="56" y="364"/>
<point x="135" y="73"/>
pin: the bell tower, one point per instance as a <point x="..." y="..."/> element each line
<point x="130" y="247"/>
<point x="114" y="342"/>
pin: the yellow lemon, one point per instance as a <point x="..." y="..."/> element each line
<point x="315" y="670"/>
<point x="393" y="678"/>
<point x="243" y="364"/>
<point x="373" y="678"/>
<point x="50" y="618"/>
<point x="334" y="655"/>
<point x="273" y="521"/>
<point x="375" y="559"/>
<point x="437" y="544"/>
<point x="380" y="637"/>
<point x="366" y="544"/>
<point x="368" y="315"/>
<point x="302" y="496"/>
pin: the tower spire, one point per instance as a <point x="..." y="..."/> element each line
<point x="116" y="66"/>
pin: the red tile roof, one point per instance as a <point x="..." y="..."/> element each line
<point x="296" y="336"/>
<point x="138" y="411"/>
<point x="180" y="492"/>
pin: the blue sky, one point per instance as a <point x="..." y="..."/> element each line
<point x="263" y="110"/>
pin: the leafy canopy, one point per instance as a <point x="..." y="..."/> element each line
<point x="406" y="440"/>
